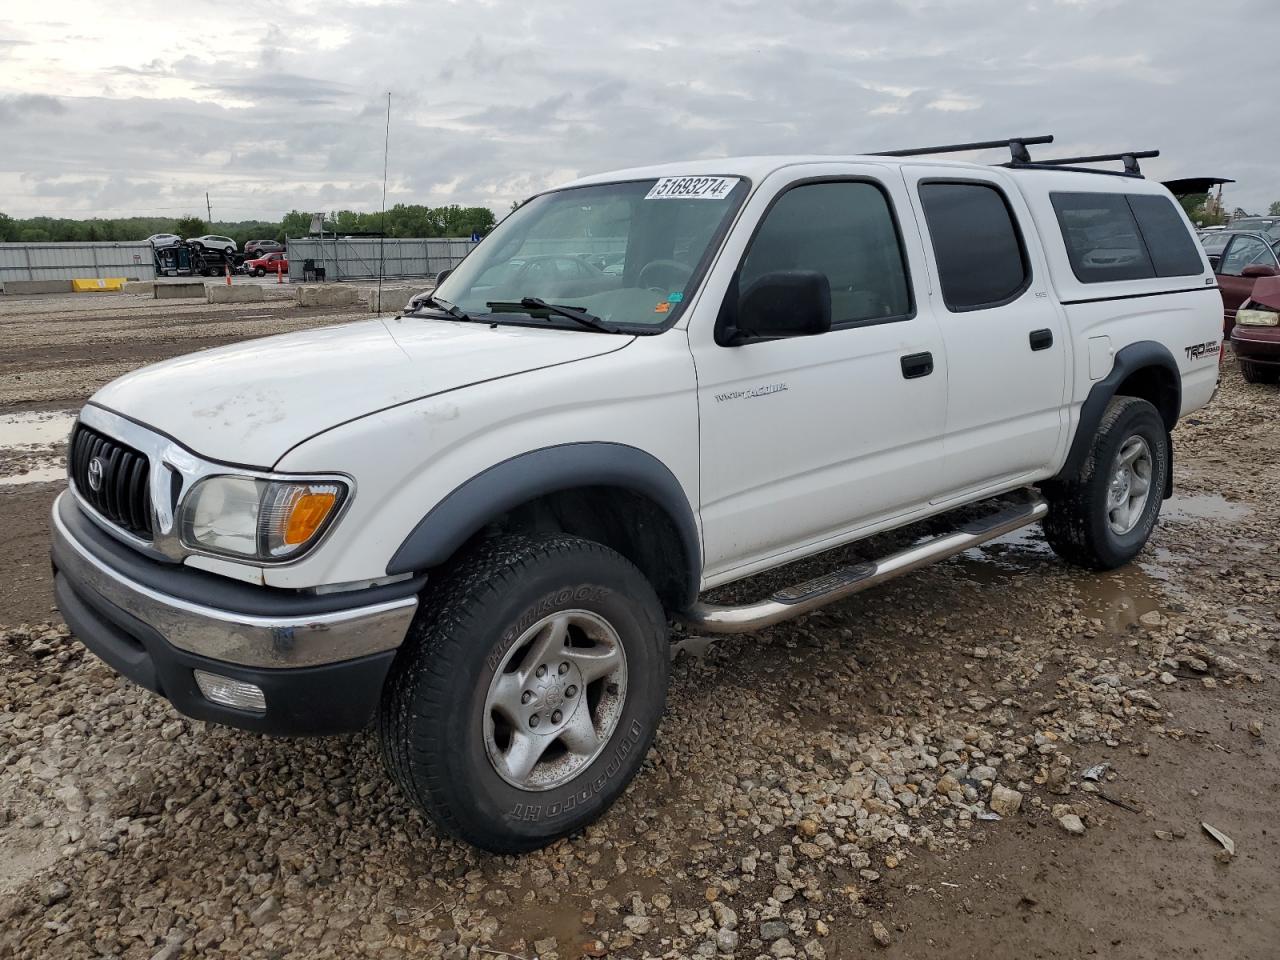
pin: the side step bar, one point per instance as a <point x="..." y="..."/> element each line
<point x="845" y="582"/>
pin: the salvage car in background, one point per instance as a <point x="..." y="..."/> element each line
<point x="260" y="248"/>
<point x="1245" y="259"/>
<point x="213" y="242"/>
<point x="1256" y="335"/>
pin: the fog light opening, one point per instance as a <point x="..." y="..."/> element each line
<point x="231" y="693"/>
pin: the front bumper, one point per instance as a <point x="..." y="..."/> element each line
<point x="319" y="660"/>
<point x="1256" y="344"/>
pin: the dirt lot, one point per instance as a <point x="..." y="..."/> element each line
<point x="821" y="790"/>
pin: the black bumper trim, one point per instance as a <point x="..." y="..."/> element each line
<point x="303" y="701"/>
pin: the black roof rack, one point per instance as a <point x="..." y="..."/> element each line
<point x="1017" y="148"/>
<point x="1129" y="157"/>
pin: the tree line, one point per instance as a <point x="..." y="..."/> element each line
<point x="402" y="220"/>
<point x="1199" y="214"/>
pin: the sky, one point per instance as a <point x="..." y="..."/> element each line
<point x="134" y="107"/>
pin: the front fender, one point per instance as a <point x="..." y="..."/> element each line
<point x="506" y="485"/>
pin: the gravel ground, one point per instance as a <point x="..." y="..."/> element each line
<point x="905" y="774"/>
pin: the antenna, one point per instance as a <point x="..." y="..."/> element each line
<point x="386" y="150"/>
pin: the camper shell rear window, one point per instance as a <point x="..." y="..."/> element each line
<point x="1116" y="236"/>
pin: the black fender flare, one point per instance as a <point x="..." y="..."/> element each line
<point x="1128" y="360"/>
<point x="527" y="476"/>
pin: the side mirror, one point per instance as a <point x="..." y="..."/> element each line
<point x="1259" y="270"/>
<point x="785" y="303"/>
<point x="442" y="276"/>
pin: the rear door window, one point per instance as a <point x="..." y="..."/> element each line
<point x="981" y="258"/>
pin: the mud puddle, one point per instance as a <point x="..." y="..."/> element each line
<point x="31" y="446"/>
<point x="1204" y="506"/>
<point x="32" y="429"/>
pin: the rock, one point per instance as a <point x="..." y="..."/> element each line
<point x="545" y="946"/>
<point x="782" y="948"/>
<point x="983" y="773"/>
<point x="947" y="784"/>
<point x="265" y="912"/>
<point x="815" y="950"/>
<point x="726" y="940"/>
<point x="171" y="730"/>
<point x="1071" y="823"/>
<point x="640" y="926"/>
<point x="880" y="933"/>
<point x="807" y="828"/>
<point x="1151" y="619"/>
<point x="594" y="948"/>
<point x="54" y="893"/>
<point x="1255" y="728"/>
<point x="773" y="929"/>
<point x="1167" y="678"/>
<point x="1004" y="801"/>
<point x="1058" y="780"/>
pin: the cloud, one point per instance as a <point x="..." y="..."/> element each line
<point x="492" y="101"/>
<point x="20" y="107"/>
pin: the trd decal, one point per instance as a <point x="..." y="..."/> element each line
<point x="1198" y="351"/>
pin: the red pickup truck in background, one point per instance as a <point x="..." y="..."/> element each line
<point x="271" y="263"/>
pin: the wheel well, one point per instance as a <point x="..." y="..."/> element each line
<point x="1158" y="386"/>
<point x="621" y="519"/>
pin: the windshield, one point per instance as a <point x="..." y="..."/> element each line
<point x="1267" y="228"/>
<point x="630" y="254"/>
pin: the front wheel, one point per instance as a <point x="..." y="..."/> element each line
<point x="1257" y="373"/>
<point x="528" y="691"/>
<point x="1101" y="517"/>
<point x="259" y="272"/>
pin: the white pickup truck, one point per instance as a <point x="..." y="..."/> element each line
<point x="471" y="524"/>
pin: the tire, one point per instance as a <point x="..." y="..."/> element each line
<point x="442" y="737"/>
<point x="1085" y="511"/>
<point x="259" y="272"/>
<point x="1256" y="373"/>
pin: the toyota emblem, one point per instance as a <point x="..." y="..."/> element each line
<point x="95" y="474"/>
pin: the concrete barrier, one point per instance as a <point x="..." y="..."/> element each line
<point x="235" y="293"/>
<point x="98" y="285"/>
<point x="189" y="290"/>
<point x="393" y="297"/>
<point x="37" y="286"/>
<point x="327" y="296"/>
<point x="144" y="287"/>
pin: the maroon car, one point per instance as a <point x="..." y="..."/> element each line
<point x="1239" y="260"/>
<point x="1256" y="336"/>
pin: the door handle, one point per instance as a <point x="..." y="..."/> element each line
<point x="1041" y="339"/>
<point x="917" y="365"/>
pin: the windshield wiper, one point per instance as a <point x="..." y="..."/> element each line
<point x="588" y="320"/>
<point x="451" y="309"/>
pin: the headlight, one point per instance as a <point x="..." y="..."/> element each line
<point x="259" y="519"/>
<point x="1257" y="316"/>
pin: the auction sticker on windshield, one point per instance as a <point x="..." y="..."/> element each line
<point x="691" y="188"/>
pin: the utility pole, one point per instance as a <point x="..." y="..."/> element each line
<point x="208" y="209"/>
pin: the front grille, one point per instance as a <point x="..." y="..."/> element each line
<point x="123" y="493"/>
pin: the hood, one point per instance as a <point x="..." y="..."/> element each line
<point x="251" y="402"/>
<point x="1266" y="291"/>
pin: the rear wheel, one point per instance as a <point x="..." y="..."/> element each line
<point x="1101" y="517"/>
<point x="528" y="691"/>
<point x="1257" y="373"/>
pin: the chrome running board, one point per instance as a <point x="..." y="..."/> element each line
<point x="845" y="582"/>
